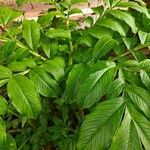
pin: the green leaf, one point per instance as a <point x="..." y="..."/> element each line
<point x="3" y="105"/>
<point x="78" y="1"/>
<point x="140" y="97"/>
<point x="126" y="137"/>
<point x="31" y="33"/>
<point x="45" y="85"/>
<point x="145" y="77"/>
<point x="10" y="143"/>
<point x="17" y="66"/>
<point x="21" y="2"/>
<point x="58" y="33"/>
<point x="74" y="78"/>
<point x="5" y="75"/>
<point x="145" y="64"/>
<point x="102" y="31"/>
<point x="49" y="46"/>
<point x="142" y="125"/>
<point x="125" y="16"/>
<point x="87" y="40"/>
<point x="100" y="125"/>
<point x="94" y="86"/>
<point x="135" y="6"/>
<point x="55" y="67"/>
<point x="75" y="11"/>
<point x="8" y="14"/>
<point x="112" y="24"/>
<point x="115" y="88"/>
<point x="142" y="36"/>
<point x="46" y="19"/>
<point x="24" y="97"/>
<point x="3" y="135"/>
<point x="103" y="46"/>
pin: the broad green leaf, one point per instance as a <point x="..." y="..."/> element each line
<point x="49" y="46"/>
<point x="142" y="36"/>
<point x="94" y="86"/>
<point x="140" y="97"/>
<point x="31" y="33"/>
<point x="3" y="105"/>
<point x="145" y="64"/>
<point x="134" y="5"/>
<point x="5" y="75"/>
<point x="55" y="67"/>
<point x="24" y="96"/>
<point x="46" y="19"/>
<point x="87" y="40"/>
<point x="125" y="16"/>
<point x="98" y="10"/>
<point x="44" y="83"/>
<point x="58" y="33"/>
<point x="75" y="11"/>
<point x="10" y="143"/>
<point x="102" y="31"/>
<point x="115" y="88"/>
<point x="145" y="77"/>
<point x="142" y="125"/>
<point x="126" y="137"/>
<point x="112" y="24"/>
<point x="3" y="135"/>
<point x="130" y="42"/>
<point x="103" y="46"/>
<point x="74" y="78"/>
<point x="8" y="14"/>
<point x="17" y="66"/>
<point x="100" y="125"/>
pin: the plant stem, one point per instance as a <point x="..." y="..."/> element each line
<point x="70" y="40"/>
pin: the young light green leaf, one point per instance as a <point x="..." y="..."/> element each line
<point x="126" y="137"/>
<point x="103" y="46"/>
<point x="45" y="85"/>
<point x="24" y="96"/>
<point x="3" y="105"/>
<point x="125" y="16"/>
<point x="94" y="86"/>
<point x="99" y="126"/>
<point x="8" y="14"/>
<point x="55" y="67"/>
<point x="112" y="24"/>
<point x="31" y="33"/>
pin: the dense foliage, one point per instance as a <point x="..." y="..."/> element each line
<point x="71" y="84"/>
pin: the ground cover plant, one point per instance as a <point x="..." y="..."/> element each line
<point x="70" y="84"/>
